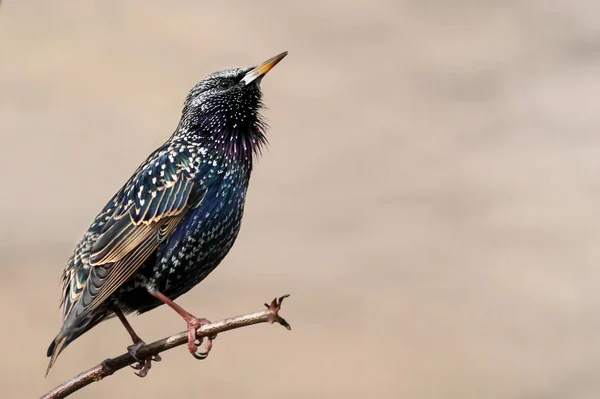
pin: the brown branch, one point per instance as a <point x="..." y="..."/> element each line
<point x="109" y="366"/>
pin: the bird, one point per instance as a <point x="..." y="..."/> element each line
<point x="174" y="220"/>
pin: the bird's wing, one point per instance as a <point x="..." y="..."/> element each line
<point x="78" y="268"/>
<point x="148" y="209"/>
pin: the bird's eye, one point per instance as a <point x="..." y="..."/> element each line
<point x="225" y="84"/>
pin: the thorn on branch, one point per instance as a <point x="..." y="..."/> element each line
<point x="274" y="308"/>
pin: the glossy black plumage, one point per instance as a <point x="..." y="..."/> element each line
<point x="179" y="214"/>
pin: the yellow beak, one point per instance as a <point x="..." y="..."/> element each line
<point x="263" y="68"/>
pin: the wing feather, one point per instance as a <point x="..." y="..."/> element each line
<point x="144" y="214"/>
<point x="119" y="272"/>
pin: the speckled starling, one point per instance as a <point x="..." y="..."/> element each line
<point x="175" y="219"/>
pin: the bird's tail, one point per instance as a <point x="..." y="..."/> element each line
<point x="56" y="347"/>
<point x="73" y="327"/>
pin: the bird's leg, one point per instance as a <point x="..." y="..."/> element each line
<point x="143" y="365"/>
<point x="134" y="337"/>
<point x="193" y="324"/>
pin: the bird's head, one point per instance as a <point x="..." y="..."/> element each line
<point x="222" y="110"/>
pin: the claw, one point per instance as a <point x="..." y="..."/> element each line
<point x="143" y="365"/>
<point x="132" y="349"/>
<point x="144" y="368"/>
<point x="137" y="366"/>
<point x="200" y="355"/>
<point x="194" y="341"/>
<point x="193" y="325"/>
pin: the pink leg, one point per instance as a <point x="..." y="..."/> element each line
<point x="193" y="324"/>
<point x="144" y="365"/>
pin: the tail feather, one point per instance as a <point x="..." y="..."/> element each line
<point x="51" y="348"/>
<point x="72" y="329"/>
<point x="55" y="348"/>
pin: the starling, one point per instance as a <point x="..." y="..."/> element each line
<point x="174" y="220"/>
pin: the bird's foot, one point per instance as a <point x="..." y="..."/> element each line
<point x="194" y="323"/>
<point x="144" y="364"/>
<point x="194" y="341"/>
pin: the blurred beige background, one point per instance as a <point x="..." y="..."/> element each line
<point x="430" y="196"/>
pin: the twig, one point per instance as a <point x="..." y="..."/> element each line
<point x="109" y="366"/>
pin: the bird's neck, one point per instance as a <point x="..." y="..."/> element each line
<point x="238" y="144"/>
